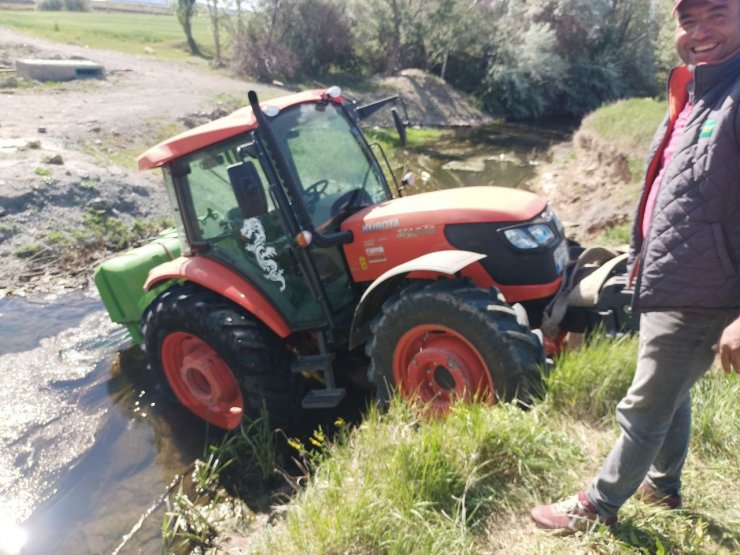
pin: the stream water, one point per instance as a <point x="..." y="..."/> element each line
<point x="88" y="447"/>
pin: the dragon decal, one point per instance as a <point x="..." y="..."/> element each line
<point x="254" y="233"/>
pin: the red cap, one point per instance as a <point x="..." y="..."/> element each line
<point x="677" y="3"/>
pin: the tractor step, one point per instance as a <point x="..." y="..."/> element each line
<point x="323" y="398"/>
<point x="312" y="363"/>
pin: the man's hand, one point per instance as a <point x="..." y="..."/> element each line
<point x="729" y="347"/>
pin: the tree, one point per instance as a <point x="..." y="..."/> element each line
<point x="295" y="38"/>
<point x="525" y="73"/>
<point x="666" y="56"/>
<point x="389" y="32"/>
<point x="185" y="10"/>
<point x="569" y="56"/>
<point x="215" y="14"/>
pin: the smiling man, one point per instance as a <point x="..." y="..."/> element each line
<point x="685" y="260"/>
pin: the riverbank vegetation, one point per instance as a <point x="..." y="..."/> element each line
<point x="401" y="482"/>
<point x="522" y="60"/>
<point x="519" y="59"/>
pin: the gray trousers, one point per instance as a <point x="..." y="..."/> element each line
<point x="655" y="414"/>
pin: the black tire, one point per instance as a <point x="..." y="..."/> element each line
<point x="473" y="322"/>
<point x="243" y="347"/>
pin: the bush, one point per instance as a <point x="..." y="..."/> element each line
<point x="77" y="5"/>
<point x="49" y="5"/>
<point x="59" y="5"/>
<point x="304" y="38"/>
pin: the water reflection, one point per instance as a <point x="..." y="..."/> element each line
<point x="89" y="444"/>
<point x="24" y="322"/>
<point x="503" y="154"/>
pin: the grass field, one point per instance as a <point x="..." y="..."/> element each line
<point x="123" y="32"/>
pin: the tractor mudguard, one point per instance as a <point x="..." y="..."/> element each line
<point x="447" y="262"/>
<point x="120" y="280"/>
<point x="227" y="283"/>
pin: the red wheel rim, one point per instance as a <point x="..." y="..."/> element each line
<point x="436" y="365"/>
<point x="201" y="380"/>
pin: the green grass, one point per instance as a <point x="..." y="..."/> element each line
<point x="123" y="32"/>
<point x="388" y="137"/>
<point x="402" y="484"/>
<point x="628" y="124"/>
<point x="616" y="236"/>
<point x="110" y="149"/>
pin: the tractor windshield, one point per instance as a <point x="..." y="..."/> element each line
<point x="330" y="161"/>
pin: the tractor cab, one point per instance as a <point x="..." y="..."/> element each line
<point x="247" y="201"/>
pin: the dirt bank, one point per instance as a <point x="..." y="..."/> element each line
<point x="590" y="184"/>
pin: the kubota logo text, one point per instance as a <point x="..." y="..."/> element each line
<point x="381" y="226"/>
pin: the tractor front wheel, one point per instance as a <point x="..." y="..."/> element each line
<point x="448" y="340"/>
<point x="217" y="360"/>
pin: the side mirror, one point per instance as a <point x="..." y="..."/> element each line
<point x="400" y="127"/>
<point x="248" y="189"/>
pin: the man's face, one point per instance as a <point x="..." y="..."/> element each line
<point x="706" y="32"/>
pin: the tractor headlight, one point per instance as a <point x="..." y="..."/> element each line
<point x="530" y="236"/>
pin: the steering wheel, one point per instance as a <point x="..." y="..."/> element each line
<point x="313" y="193"/>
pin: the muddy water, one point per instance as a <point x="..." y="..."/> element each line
<point x="87" y="446"/>
<point x="502" y="154"/>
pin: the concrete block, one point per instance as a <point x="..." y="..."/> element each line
<point x="58" y="70"/>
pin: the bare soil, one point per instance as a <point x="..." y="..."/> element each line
<point x="59" y="145"/>
<point x="67" y="149"/>
<point x="589" y="183"/>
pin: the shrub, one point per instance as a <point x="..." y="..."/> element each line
<point x="77" y="5"/>
<point x="49" y="5"/>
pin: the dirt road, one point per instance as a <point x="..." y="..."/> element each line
<point x="65" y="148"/>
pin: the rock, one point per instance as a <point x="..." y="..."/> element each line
<point x="56" y="160"/>
<point x="97" y="204"/>
<point x="41" y="129"/>
<point x="470" y="165"/>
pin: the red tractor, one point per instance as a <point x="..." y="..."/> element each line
<point x="291" y="252"/>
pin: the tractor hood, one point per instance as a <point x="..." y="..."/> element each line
<point x="396" y="231"/>
<point x="464" y="205"/>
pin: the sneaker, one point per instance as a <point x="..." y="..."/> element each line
<point x="574" y="514"/>
<point x="648" y="494"/>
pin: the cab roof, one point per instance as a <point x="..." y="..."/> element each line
<point x="236" y="123"/>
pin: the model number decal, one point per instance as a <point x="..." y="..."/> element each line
<point x="375" y="254"/>
<point x="409" y="232"/>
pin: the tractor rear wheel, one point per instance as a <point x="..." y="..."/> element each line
<point x="217" y="360"/>
<point x="450" y="339"/>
